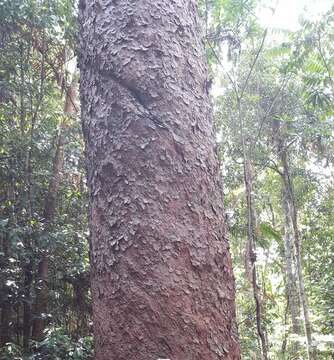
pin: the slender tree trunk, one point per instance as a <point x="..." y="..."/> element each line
<point x="42" y="292"/>
<point x="285" y="323"/>
<point x="161" y="274"/>
<point x="288" y="189"/>
<point x="6" y="310"/>
<point x="251" y="252"/>
<point x="292" y="290"/>
<point x="42" y="289"/>
<point x="251" y="257"/>
<point x="80" y="284"/>
<point x="290" y="265"/>
<point x="28" y="242"/>
<point x="27" y="300"/>
<point x="28" y="258"/>
<point x="6" y="305"/>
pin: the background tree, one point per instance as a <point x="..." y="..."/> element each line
<point x="279" y="102"/>
<point x="40" y="216"/>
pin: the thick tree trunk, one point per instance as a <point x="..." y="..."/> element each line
<point x="42" y="290"/>
<point x="161" y="274"/>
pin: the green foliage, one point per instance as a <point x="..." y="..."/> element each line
<point x="287" y="96"/>
<point x="58" y="345"/>
<point x="37" y="47"/>
<point x="269" y="232"/>
<point x="11" y="351"/>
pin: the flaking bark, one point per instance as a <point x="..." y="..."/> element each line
<point x="161" y="274"/>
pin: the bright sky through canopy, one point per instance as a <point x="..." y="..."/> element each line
<point x="288" y="12"/>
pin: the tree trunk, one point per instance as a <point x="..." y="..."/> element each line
<point x="27" y="265"/>
<point x="42" y="290"/>
<point x="80" y="284"/>
<point x="6" y="314"/>
<point x="6" y="304"/>
<point x="251" y="258"/>
<point x="288" y="190"/>
<point x="161" y="274"/>
<point x="292" y="290"/>
<point x="27" y="300"/>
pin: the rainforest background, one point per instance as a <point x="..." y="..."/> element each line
<point x="272" y="88"/>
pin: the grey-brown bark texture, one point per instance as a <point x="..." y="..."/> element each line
<point x="291" y="211"/>
<point x="161" y="274"/>
<point x="291" y="279"/>
<point x="251" y="253"/>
